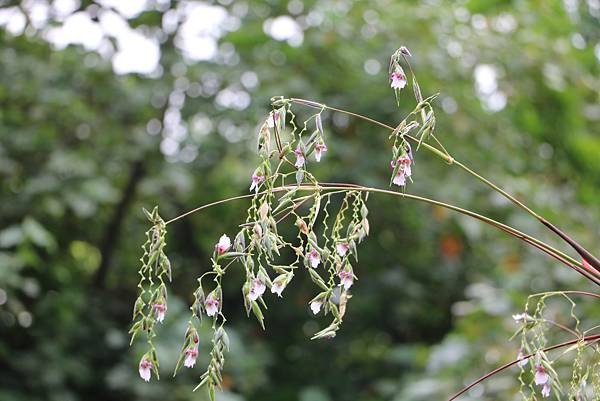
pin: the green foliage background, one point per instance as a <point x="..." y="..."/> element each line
<point x="431" y="310"/>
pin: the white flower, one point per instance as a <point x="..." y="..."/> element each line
<point x="521" y="358"/>
<point x="272" y="119"/>
<point x="342" y="248"/>
<point x="277" y="288"/>
<point x="190" y="357"/>
<point x="314" y="258"/>
<point x="398" y="78"/>
<point x="223" y="245"/>
<point x="315" y="306"/>
<point x="521" y="317"/>
<point x="257" y="179"/>
<point x="258" y="288"/>
<point x="299" y="157"/>
<point x="160" y="308"/>
<point x="145" y="369"/>
<point x="346" y="278"/>
<point x="320" y="148"/>
<point x="546" y="390"/>
<point x="541" y="377"/>
<point x="279" y="284"/>
<point x="211" y="304"/>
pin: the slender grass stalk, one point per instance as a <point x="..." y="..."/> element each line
<point x="584" y="253"/>
<point x="560" y="256"/>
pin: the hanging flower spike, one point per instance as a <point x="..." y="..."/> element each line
<point x="145" y="368"/>
<point x="314" y="258"/>
<point x="273" y="117"/>
<point x="346" y="278"/>
<point x="190" y="356"/>
<point x="398" y="78"/>
<point x="342" y="248"/>
<point x="320" y="148"/>
<point x="299" y="157"/>
<point x="403" y="171"/>
<point x="546" y="390"/>
<point x="161" y="309"/>
<point x="211" y="304"/>
<point x="258" y="288"/>
<point x="257" y="179"/>
<point x="223" y="245"/>
<point x="541" y="377"/>
<point x="315" y="306"/>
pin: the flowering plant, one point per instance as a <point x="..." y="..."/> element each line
<point x="283" y="190"/>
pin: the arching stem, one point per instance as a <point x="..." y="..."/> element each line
<point x="584" y="253"/>
<point x="587" y="339"/>
<point x="560" y="256"/>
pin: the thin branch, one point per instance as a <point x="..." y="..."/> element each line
<point x="584" y="253"/>
<point x="567" y="260"/>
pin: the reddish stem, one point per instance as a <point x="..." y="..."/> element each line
<point x="593" y="337"/>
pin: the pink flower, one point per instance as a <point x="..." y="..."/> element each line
<point x="546" y="390"/>
<point x="404" y="169"/>
<point x="273" y="118"/>
<point x="320" y="148"/>
<point x="257" y="179"/>
<point x="258" y="288"/>
<point x="223" y="245"/>
<point x="145" y="368"/>
<point x="521" y="358"/>
<point x="314" y="258"/>
<point x="342" y="248"/>
<point x="541" y="377"/>
<point x="315" y="306"/>
<point x="190" y="357"/>
<point x="346" y="278"/>
<point x="397" y="78"/>
<point x="299" y="157"/>
<point x="211" y="304"/>
<point x="160" y="308"/>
